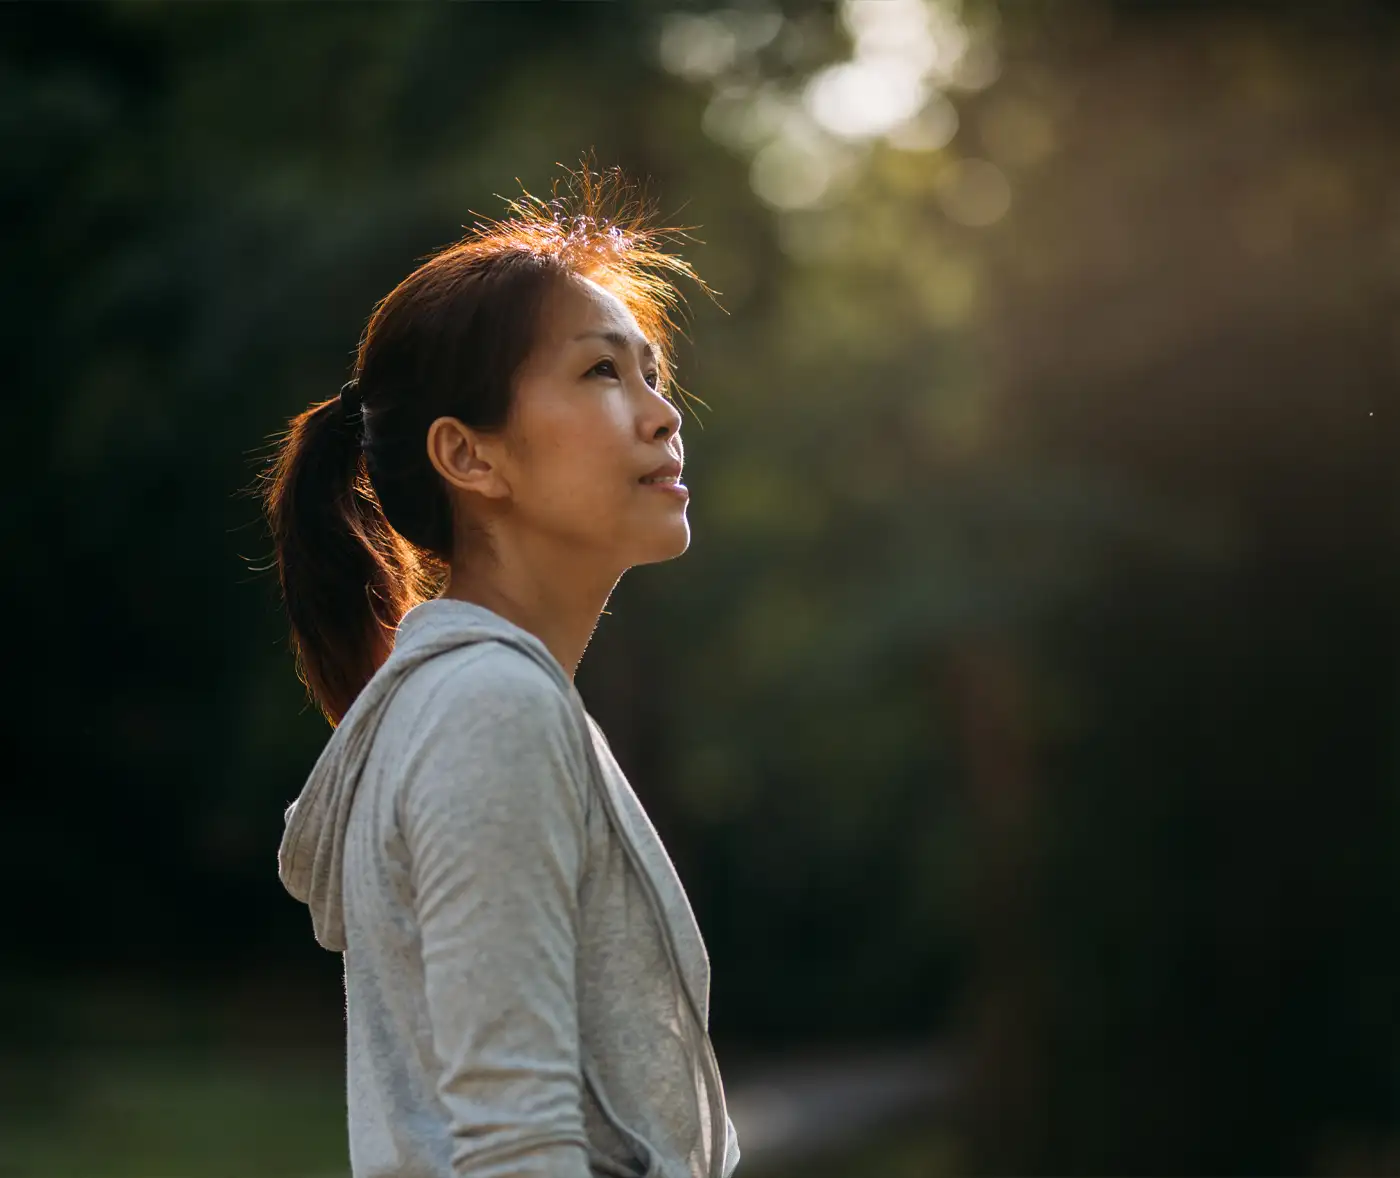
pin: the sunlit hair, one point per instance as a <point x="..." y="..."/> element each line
<point x="361" y="522"/>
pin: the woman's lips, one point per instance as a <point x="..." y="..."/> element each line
<point x="671" y="486"/>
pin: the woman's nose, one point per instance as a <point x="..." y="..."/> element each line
<point x="662" y="418"/>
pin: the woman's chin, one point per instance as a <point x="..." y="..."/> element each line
<point x="666" y="543"/>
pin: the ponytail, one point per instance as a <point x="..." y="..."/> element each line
<point x="347" y="577"/>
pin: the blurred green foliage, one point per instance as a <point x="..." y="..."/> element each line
<point x="1031" y="681"/>
<point x="165" y="1113"/>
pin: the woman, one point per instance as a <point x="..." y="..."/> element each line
<point x="527" y="991"/>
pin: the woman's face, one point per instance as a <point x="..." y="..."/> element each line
<point x="587" y="423"/>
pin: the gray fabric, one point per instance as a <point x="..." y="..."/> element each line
<point x="527" y="991"/>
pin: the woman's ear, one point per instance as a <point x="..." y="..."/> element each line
<point x="466" y="458"/>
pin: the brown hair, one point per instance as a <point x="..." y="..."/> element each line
<point x="361" y="522"/>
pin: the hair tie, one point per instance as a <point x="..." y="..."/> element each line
<point x="350" y="400"/>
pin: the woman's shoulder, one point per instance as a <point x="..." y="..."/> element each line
<point x="480" y="719"/>
<point x="481" y="685"/>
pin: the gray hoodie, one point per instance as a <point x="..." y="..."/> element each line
<point x="527" y="991"/>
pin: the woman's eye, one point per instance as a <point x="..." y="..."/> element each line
<point x="653" y="379"/>
<point x="605" y="367"/>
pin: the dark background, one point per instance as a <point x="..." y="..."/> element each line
<point x="1030" y="694"/>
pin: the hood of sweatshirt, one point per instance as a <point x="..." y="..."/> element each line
<point x="311" y="856"/>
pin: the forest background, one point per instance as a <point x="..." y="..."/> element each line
<point x="1029" y="698"/>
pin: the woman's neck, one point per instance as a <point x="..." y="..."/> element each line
<point x="561" y="608"/>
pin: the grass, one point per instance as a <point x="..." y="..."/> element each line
<point x="166" y="1116"/>
<point x="187" y="1114"/>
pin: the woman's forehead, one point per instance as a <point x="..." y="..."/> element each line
<point x="580" y="305"/>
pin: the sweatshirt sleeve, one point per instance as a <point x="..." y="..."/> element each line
<point x="494" y="822"/>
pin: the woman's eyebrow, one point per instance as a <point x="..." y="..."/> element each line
<point x="617" y="339"/>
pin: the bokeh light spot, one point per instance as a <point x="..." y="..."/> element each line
<point x="973" y="192"/>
